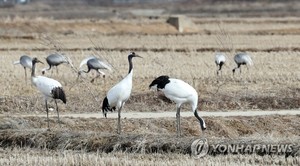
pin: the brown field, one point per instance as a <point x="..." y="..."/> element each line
<point x="272" y="83"/>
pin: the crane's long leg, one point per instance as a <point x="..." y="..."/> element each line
<point x="47" y="112"/>
<point x="99" y="73"/>
<point x="25" y="75"/>
<point x="57" y="112"/>
<point x="119" y="120"/>
<point x="240" y="69"/>
<point x="178" y="122"/>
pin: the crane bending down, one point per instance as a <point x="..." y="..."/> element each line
<point x="93" y="63"/>
<point x="220" y="61"/>
<point x="120" y="93"/>
<point x="49" y="87"/>
<point x="242" y="59"/>
<point x="55" y="60"/>
<point x="180" y="92"/>
<point x="26" y="62"/>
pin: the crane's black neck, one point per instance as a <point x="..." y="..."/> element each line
<point x="201" y="121"/>
<point x="33" y="69"/>
<point x="130" y="63"/>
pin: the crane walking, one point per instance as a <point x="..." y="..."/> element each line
<point x="180" y="92"/>
<point x="49" y="87"/>
<point x="26" y="62"/>
<point x="120" y="93"/>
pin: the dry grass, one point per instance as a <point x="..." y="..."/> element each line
<point x="26" y="156"/>
<point x="272" y="83"/>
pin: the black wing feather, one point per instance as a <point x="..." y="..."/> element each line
<point x="58" y="93"/>
<point x="160" y="81"/>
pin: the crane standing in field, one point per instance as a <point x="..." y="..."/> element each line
<point x="120" y="93"/>
<point x="49" y="87"/>
<point x="180" y="92"/>
<point x="55" y="60"/>
<point x="26" y="62"/>
<point x="242" y="59"/>
<point x="220" y="61"/>
<point x="93" y="63"/>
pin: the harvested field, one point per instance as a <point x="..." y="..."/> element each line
<point x="271" y="84"/>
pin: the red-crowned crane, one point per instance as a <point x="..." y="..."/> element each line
<point x="120" y="93"/>
<point x="242" y="59"/>
<point x="55" y="60"/>
<point x="180" y="92"/>
<point x="26" y="62"/>
<point x="49" y="87"/>
<point x="220" y="61"/>
<point x="94" y="63"/>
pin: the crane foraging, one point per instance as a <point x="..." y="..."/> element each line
<point x="26" y="62"/>
<point x="55" y="60"/>
<point x="180" y="92"/>
<point x="120" y="93"/>
<point x="220" y="61"/>
<point x="94" y="63"/>
<point x="242" y="59"/>
<point x="49" y="87"/>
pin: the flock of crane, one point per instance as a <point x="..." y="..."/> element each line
<point x="175" y="89"/>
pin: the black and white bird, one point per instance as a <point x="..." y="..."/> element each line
<point x="220" y="61"/>
<point x="96" y="64"/>
<point x="180" y="92"/>
<point x="26" y="62"/>
<point x="49" y="87"/>
<point x="55" y="60"/>
<point x="242" y="59"/>
<point x="120" y="93"/>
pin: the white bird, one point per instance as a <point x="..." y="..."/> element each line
<point x="242" y="59"/>
<point x="49" y="87"/>
<point x="26" y="62"/>
<point x="220" y="61"/>
<point x="180" y="92"/>
<point x="120" y="93"/>
<point x="55" y="60"/>
<point x="93" y="63"/>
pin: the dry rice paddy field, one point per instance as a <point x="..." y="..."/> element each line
<point x="272" y="83"/>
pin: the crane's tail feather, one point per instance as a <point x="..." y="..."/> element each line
<point x="106" y="107"/>
<point x="58" y="93"/>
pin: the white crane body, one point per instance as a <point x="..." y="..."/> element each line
<point x="49" y="87"/>
<point x="180" y="92"/>
<point x="220" y="61"/>
<point x="120" y="93"/>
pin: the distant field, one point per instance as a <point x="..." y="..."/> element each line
<point x="272" y="83"/>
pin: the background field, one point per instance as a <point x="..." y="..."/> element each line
<point x="272" y="83"/>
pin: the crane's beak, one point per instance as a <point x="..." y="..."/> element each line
<point x="138" y="56"/>
<point x="38" y="61"/>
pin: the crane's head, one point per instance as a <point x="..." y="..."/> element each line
<point x="233" y="70"/>
<point x="35" y="60"/>
<point x="133" y="54"/>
